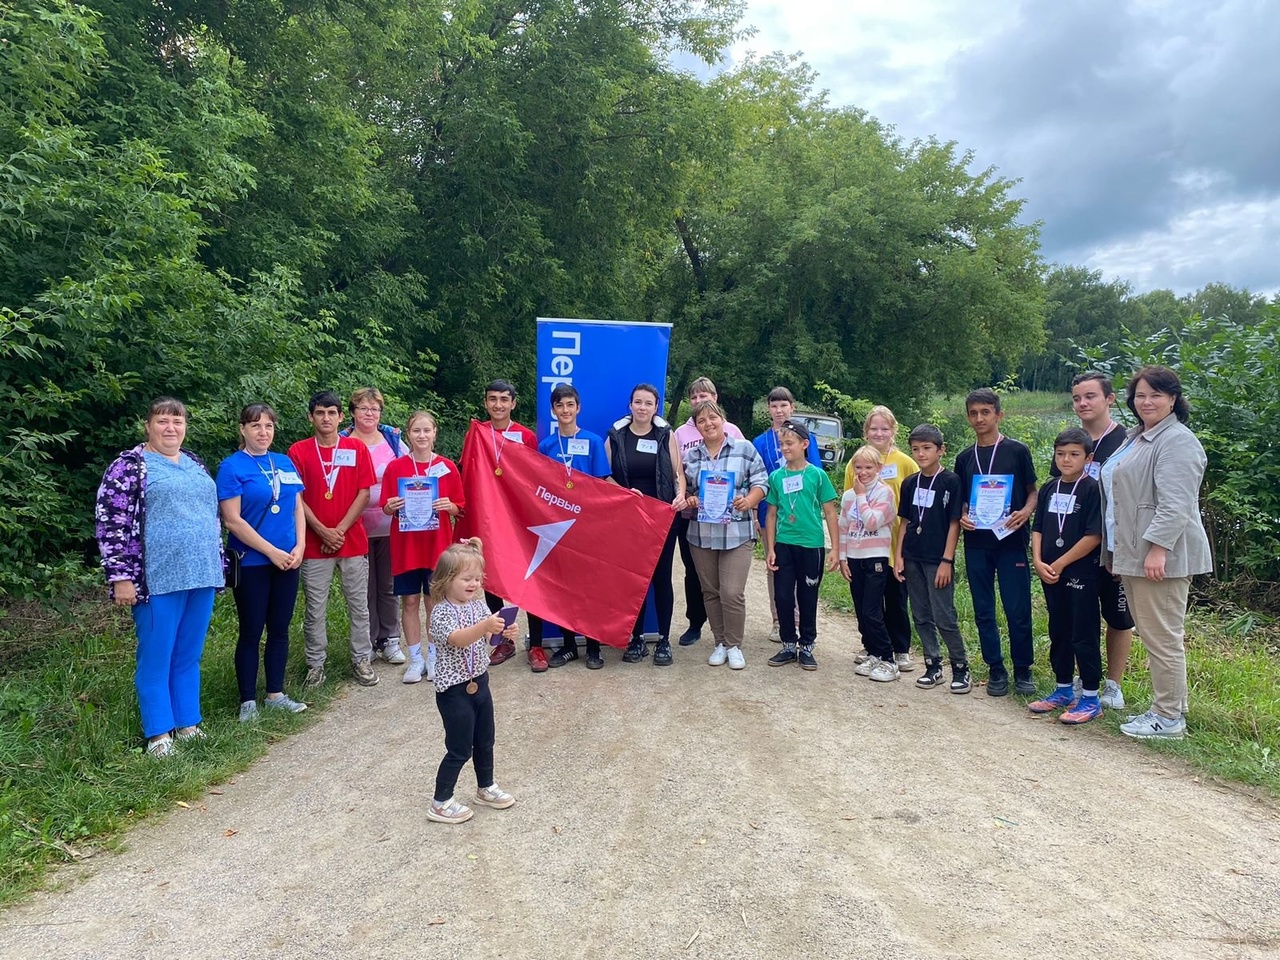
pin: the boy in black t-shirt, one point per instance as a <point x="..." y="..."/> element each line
<point x="1092" y="395"/>
<point x="1065" y="549"/>
<point x="995" y="539"/>
<point x="930" y="510"/>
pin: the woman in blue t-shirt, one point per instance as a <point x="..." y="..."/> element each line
<point x="258" y="495"/>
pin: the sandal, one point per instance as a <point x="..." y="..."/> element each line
<point x="160" y="747"/>
<point x="190" y="733"/>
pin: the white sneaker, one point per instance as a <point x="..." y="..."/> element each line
<point x="736" y="660"/>
<point x="494" y="796"/>
<point x="774" y="635"/>
<point x="864" y="668"/>
<point x="413" y="673"/>
<point x="718" y="655"/>
<point x="885" y="671"/>
<point x="1111" y="696"/>
<point x="904" y="662"/>
<point x="1151" y="725"/>
<point x="862" y="656"/>
<point x="392" y="652"/>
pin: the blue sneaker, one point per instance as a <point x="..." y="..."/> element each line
<point x="1089" y="708"/>
<point x="1061" y="698"/>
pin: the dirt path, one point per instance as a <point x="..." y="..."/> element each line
<point x="691" y="812"/>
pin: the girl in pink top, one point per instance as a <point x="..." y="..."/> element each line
<point x="867" y="512"/>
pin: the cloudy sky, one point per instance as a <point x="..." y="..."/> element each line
<point x="1145" y="132"/>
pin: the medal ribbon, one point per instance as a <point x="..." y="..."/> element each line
<point x="330" y="474"/>
<point x="1062" y="517"/>
<point x="921" y="511"/>
<point x="272" y="476"/>
<point x="565" y="457"/>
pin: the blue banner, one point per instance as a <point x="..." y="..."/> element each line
<point x="604" y="360"/>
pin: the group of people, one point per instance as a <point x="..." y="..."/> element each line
<point x="1116" y="537"/>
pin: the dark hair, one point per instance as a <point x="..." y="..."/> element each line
<point x="565" y="391"/>
<point x="167" y="406"/>
<point x="982" y="395"/>
<point x="1108" y="390"/>
<point x="796" y="427"/>
<point x="1074" y="435"/>
<point x="780" y="395"/>
<point x="647" y="388"/>
<point x="926" y="433"/>
<point x="324" y="398"/>
<point x="1162" y="380"/>
<point x="253" y="411"/>
<point x="500" y="386"/>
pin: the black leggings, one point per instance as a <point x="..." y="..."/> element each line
<point x="664" y="595"/>
<point x="265" y="598"/>
<point x="468" y="735"/>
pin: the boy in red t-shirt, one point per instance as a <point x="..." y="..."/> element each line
<point x="499" y="403"/>
<point x="336" y="473"/>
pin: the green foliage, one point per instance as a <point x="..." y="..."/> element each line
<point x="1228" y="375"/>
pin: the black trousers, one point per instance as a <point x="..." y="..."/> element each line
<point x="265" y="598"/>
<point x="896" y="618"/>
<point x="868" y="579"/>
<point x="1075" y="621"/>
<point x="695" y="610"/>
<point x="468" y="735"/>
<point x="795" y="584"/>
<point x="664" y="595"/>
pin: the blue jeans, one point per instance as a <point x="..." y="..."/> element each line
<point x="171" y="629"/>
<point x="1010" y="565"/>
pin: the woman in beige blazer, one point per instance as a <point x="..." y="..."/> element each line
<point x="1154" y="540"/>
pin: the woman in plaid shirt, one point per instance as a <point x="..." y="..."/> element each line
<point x="723" y="545"/>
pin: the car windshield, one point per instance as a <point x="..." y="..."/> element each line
<point x="823" y="428"/>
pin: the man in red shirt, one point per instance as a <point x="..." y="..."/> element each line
<point x="336" y="474"/>
<point x="499" y="403"/>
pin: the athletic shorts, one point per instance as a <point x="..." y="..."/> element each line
<point x="1115" y="605"/>
<point x="411" y="583"/>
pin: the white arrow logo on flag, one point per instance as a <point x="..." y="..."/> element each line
<point x="548" y="534"/>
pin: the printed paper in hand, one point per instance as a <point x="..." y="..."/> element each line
<point x="419" y="494"/>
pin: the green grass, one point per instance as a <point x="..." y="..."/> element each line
<point x="1233" y="671"/>
<point x="71" y="748"/>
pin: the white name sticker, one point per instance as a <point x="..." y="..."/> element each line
<point x="438" y="470"/>
<point x="513" y="435"/>
<point x="924" y="497"/>
<point x="793" y="484"/>
<point x="647" y="446"/>
<point x="344" y="458"/>
<point x="288" y="476"/>
<point x="889" y="471"/>
<point x="1094" y="470"/>
<point x="579" y="448"/>
<point x="1062" y="503"/>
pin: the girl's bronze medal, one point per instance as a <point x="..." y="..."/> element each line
<point x="497" y="471"/>
<point x="472" y="687"/>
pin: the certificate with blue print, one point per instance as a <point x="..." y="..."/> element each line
<point x="990" y="499"/>
<point x="419" y="494"/>
<point x="715" y="496"/>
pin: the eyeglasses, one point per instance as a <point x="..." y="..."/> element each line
<point x="368" y="409"/>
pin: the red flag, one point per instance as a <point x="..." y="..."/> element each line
<point x="579" y="556"/>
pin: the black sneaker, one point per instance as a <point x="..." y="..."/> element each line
<point x="636" y="651"/>
<point x="998" y="682"/>
<point x="783" y="657"/>
<point x="1022" y="682"/>
<point x="960" y="681"/>
<point x="662" y="653"/>
<point x="932" y="674"/>
<point x="690" y="636"/>
<point x="806" y="659"/>
<point x="594" y="660"/>
<point x="566" y="654"/>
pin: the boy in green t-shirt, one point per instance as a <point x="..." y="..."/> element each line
<point x="800" y="498"/>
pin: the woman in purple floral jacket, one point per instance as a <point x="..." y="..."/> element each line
<point x="161" y="546"/>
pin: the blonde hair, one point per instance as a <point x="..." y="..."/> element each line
<point x="703" y="385"/>
<point x="880" y="410"/>
<point x="868" y="453"/>
<point x="418" y="415"/>
<point x="363" y="394"/>
<point x="706" y="406"/>
<point x="456" y="560"/>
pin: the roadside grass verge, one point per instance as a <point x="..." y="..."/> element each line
<point x="73" y="774"/>
<point x="1233" y="670"/>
